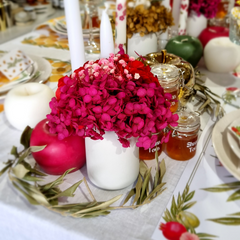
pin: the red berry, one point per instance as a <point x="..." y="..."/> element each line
<point x="172" y="230"/>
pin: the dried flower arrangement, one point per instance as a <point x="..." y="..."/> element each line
<point x="142" y="20"/>
<point x="205" y="7"/>
<point x="117" y="94"/>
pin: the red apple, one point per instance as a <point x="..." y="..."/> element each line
<point x="212" y="32"/>
<point x="59" y="155"/>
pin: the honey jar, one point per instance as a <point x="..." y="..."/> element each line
<point x="169" y="77"/>
<point x="149" y="154"/>
<point x="182" y="142"/>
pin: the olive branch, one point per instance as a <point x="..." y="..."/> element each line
<point x="26" y="178"/>
<point x="234" y="218"/>
<point x="179" y="214"/>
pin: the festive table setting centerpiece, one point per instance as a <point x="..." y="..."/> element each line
<point x="118" y="114"/>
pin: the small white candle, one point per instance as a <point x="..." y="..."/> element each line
<point x="120" y="25"/>
<point x="106" y="37"/>
<point x="75" y="36"/>
<point x="27" y="104"/>
<point x="221" y="55"/>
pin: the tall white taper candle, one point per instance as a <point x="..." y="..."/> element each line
<point x="75" y="36"/>
<point x="106" y="37"/>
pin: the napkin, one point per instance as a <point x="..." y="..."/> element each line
<point x="14" y="62"/>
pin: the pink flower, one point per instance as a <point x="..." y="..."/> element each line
<point x="121" y="18"/>
<point x="117" y="94"/>
<point x="119" y="7"/>
<point x="189" y="236"/>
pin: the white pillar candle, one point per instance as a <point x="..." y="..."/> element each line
<point x="221" y="55"/>
<point x="106" y="37"/>
<point x="120" y="25"/>
<point x="182" y="24"/>
<point x="75" y="36"/>
<point x="27" y="104"/>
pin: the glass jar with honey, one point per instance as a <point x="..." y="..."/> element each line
<point x="169" y="77"/>
<point x="182" y="142"/>
<point x="149" y="154"/>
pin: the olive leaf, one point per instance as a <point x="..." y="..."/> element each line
<point x="100" y="206"/>
<point x="14" y="152"/>
<point x="130" y="194"/>
<point x="234" y="196"/>
<point x="219" y="189"/>
<point x="27" y="196"/>
<point x="205" y="235"/>
<point x="56" y="182"/>
<point x="235" y="214"/>
<point x="226" y="220"/>
<point x="68" y="192"/>
<point x="20" y="171"/>
<point x="25" y="137"/>
<point x="5" y="169"/>
<point x="138" y="189"/>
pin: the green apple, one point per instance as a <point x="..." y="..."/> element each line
<point x="187" y="47"/>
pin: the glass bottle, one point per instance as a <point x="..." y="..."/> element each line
<point x="169" y="78"/>
<point x="182" y="142"/>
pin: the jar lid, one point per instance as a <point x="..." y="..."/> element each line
<point x="166" y="73"/>
<point x="188" y="121"/>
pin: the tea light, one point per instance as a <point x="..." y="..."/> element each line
<point x="27" y="104"/>
<point x="221" y="55"/>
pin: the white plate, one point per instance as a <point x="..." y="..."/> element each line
<point x="220" y="143"/>
<point x="96" y="31"/>
<point x="233" y="139"/>
<point x="42" y="65"/>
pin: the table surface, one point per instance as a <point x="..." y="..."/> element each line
<point x="16" y="31"/>
<point x="22" y="221"/>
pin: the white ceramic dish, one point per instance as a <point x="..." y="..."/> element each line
<point x="220" y="143"/>
<point x="233" y="139"/>
<point x="44" y="67"/>
<point x="60" y="31"/>
<point x="41" y="65"/>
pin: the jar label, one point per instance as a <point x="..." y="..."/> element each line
<point x="192" y="146"/>
<point x="154" y="148"/>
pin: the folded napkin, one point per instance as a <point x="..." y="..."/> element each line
<point x="14" y="63"/>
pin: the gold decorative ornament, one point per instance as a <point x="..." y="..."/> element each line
<point x="192" y="82"/>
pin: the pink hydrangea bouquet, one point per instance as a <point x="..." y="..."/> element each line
<point x="206" y="7"/>
<point x="117" y="94"/>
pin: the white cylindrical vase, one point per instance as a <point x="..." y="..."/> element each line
<point x="109" y="165"/>
<point x="195" y="24"/>
<point x="142" y="45"/>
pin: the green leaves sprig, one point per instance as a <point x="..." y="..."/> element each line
<point x="233" y="219"/>
<point x="146" y="189"/>
<point x="27" y="180"/>
<point x="179" y="214"/>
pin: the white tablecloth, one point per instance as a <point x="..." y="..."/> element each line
<point x="21" y="221"/>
